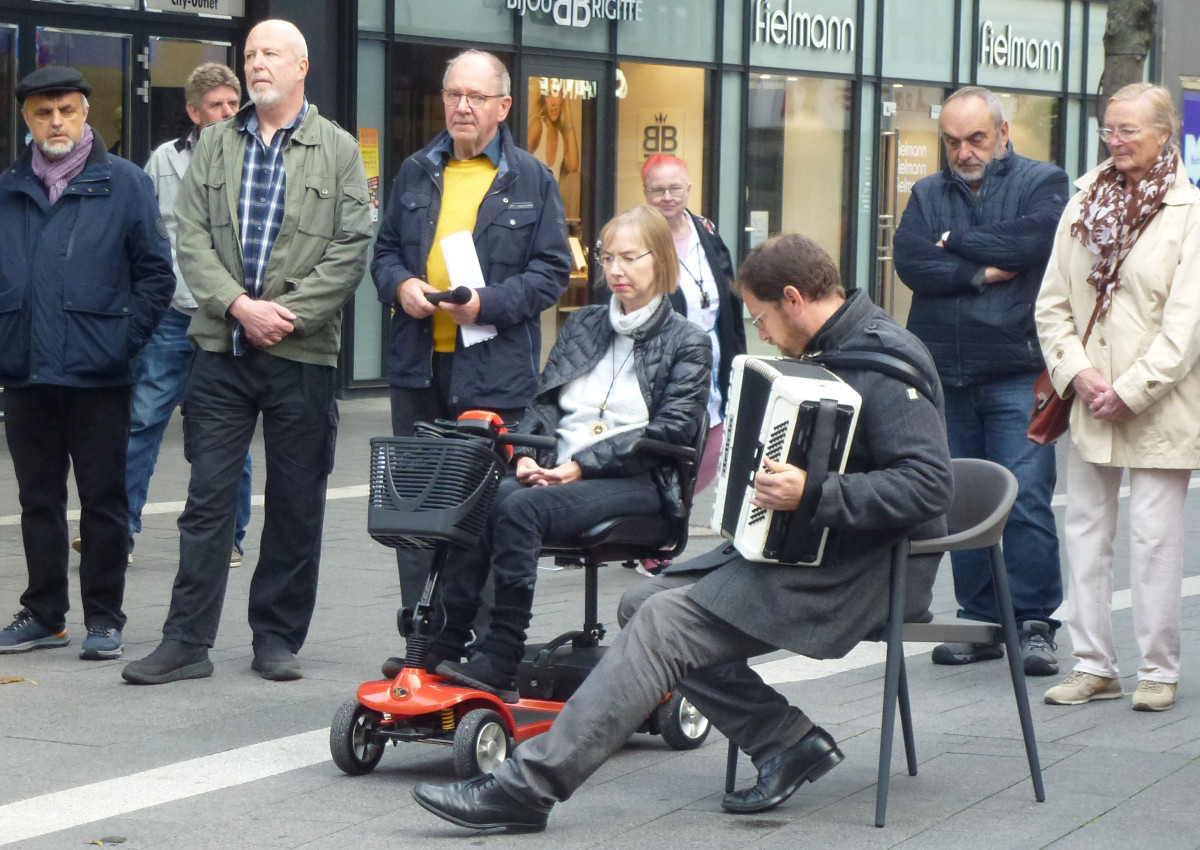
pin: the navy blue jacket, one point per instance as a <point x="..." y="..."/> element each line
<point x="521" y="238"/>
<point x="84" y="282"/>
<point x="980" y="332"/>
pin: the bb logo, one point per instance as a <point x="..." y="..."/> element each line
<point x="660" y="137"/>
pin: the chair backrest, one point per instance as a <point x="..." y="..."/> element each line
<point x="984" y="493"/>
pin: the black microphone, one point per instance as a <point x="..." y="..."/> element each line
<point x="458" y="295"/>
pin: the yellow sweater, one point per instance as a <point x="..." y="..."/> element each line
<point x="464" y="183"/>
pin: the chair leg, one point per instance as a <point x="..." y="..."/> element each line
<point x="893" y="670"/>
<point x="906" y="724"/>
<point x="731" y="768"/>
<point x="1016" y="667"/>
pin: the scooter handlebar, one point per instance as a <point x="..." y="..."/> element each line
<point x="533" y="441"/>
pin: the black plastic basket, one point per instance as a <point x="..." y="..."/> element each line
<point x="430" y="490"/>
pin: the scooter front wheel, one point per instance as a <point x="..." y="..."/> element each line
<point x="680" y="723"/>
<point x="353" y="742"/>
<point x="481" y="742"/>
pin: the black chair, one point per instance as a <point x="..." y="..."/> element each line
<point x="984" y="493"/>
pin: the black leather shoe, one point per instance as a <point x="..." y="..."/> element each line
<point x="807" y="760"/>
<point x="966" y="653"/>
<point x="479" y="803"/>
<point x="276" y="663"/>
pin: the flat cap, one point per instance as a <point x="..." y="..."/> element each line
<point x="53" y="78"/>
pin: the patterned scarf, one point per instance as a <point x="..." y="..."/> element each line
<point x="55" y="174"/>
<point x="1112" y="219"/>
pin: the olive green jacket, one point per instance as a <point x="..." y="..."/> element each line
<point x="318" y="257"/>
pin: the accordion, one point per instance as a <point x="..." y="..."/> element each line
<point x="791" y="411"/>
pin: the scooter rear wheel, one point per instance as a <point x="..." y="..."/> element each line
<point x="355" y="747"/>
<point x="481" y="742"/>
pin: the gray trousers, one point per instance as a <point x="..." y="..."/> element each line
<point x="670" y="641"/>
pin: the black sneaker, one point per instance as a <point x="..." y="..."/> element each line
<point x="480" y="673"/>
<point x="1037" y="648"/>
<point x="171" y="661"/>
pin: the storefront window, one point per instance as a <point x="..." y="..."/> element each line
<point x="662" y="112"/>
<point x="918" y="42"/>
<point x="465" y="20"/>
<point x="671" y="29"/>
<point x="1033" y="125"/>
<point x="8" y="105"/>
<point x="104" y="59"/>
<point x="797" y="145"/>
<point x="368" y="350"/>
<point x="171" y="63"/>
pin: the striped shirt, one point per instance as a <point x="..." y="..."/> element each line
<point x="260" y="204"/>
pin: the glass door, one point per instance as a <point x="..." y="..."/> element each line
<point x="10" y="118"/>
<point x="171" y="63"/>
<point x="104" y="59"/>
<point x="560" y="119"/>
<point x="910" y="148"/>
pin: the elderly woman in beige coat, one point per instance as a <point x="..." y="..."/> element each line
<point x="1128" y="248"/>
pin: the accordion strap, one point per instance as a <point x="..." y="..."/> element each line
<point x="819" y="457"/>
<point x="876" y="361"/>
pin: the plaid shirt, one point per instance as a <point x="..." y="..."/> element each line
<point x="260" y="203"/>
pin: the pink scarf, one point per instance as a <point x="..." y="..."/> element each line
<point x="56" y="174"/>
<point x="1112" y="218"/>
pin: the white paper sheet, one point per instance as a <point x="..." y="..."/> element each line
<point x="462" y="264"/>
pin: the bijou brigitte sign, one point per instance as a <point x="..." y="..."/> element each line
<point x="580" y="13"/>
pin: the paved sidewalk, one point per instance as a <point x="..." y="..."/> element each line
<point x="237" y="762"/>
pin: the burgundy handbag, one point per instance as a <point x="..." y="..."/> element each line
<point x="1051" y="412"/>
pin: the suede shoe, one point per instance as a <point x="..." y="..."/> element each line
<point x="1037" y="649"/>
<point x="966" y="653"/>
<point x="171" y="661"/>
<point x="102" y="642"/>
<point x="480" y="803"/>
<point x="1080" y="687"/>
<point x="1154" y="696"/>
<point x="480" y="673"/>
<point x="807" y="760"/>
<point x="276" y="664"/>
<point x="25" y="633"/>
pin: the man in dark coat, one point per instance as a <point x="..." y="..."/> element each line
<point x="85" y="275"/>
<point x="472" y="178"/>
<point x="972" y="246"/>
<point x="700" y="622"/>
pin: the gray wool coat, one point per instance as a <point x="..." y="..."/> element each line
<point x="897" y="483"/>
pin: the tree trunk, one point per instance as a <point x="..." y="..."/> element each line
<point x="1127" y="39"/>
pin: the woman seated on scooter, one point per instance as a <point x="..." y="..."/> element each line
<point x="617" y="372"/>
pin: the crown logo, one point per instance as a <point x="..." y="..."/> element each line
<point x="660" y="118"/>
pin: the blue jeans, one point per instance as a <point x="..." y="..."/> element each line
<point x="160" y="379"/>
<point x="989" y="421"/>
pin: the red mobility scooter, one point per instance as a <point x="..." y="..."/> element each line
<point x="434" y="491"/>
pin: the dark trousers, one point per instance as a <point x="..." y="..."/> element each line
<point x="48" y="430"/>
<point x="425" y="404"/>
<point x="297" y="402"/>
<point x="523" y="518"/>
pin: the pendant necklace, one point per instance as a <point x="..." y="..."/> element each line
<point x="600" y="427"/>
<point x="697" y="279"/>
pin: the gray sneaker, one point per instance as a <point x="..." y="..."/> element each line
<point x="25" y="633"/>
<point x="101" y="642"/>
<point x="1037" y="648"/>
<point x="966" y="653"/>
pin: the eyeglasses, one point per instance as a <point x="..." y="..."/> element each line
<point x="626" y="260"/>
<point x="757" y="321"/>
<point x="1121" y="134"/>
<point x="475" y="101"/>
<point x="660" y="192"/>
